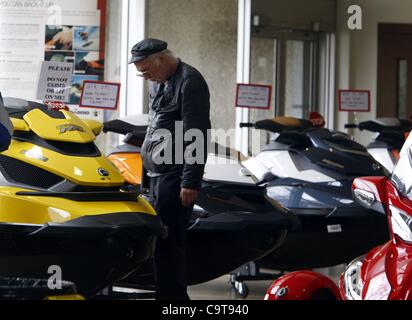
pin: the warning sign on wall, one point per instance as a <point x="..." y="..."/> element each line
<point x="354" y="100"/>
<point x="100" y="95"/>
<point x="253" y="96"/>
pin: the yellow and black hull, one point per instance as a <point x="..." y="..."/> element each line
<point x="95" y="239"/>
<point x="62" y="205"/>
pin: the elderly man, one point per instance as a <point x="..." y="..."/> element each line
<point x="179" y="95"/>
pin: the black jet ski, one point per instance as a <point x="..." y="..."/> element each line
<point x="390" y="135"/>
<point x="310" y="171"/>
<point x="233" y="222"/>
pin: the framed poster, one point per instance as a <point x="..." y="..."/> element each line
<point x="63" y="31"/>
<point x="354" y="100"/>
<point x="253" y="96"/>
<point x="100" y="95"/>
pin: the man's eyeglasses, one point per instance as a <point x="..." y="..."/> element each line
<point x="141" y="74"/>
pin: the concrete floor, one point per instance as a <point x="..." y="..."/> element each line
<point x="220" y="289"/>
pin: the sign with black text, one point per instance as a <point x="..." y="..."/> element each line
<point x="253" y="96"/>
<point x="54" y="81"/>
<point x="354" y="100"/>
<point x="100" y="95"/>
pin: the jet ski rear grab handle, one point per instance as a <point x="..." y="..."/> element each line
<point x="352" y="126"/>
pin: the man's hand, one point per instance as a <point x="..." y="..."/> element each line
<point x="188" y="196"/>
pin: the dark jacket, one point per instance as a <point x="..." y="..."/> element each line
<point x="184" y="101"/>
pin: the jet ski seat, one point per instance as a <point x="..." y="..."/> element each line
<point x="6" y="127"/>
<point x="386" y="124"/>
<point x="280" y="124"/>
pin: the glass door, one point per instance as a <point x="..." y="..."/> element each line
<point x="298" y="78"/>
<point x="287" y="61"/>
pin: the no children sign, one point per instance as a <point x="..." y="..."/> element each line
<point x="54" y="81"/>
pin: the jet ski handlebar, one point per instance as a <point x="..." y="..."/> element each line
<point x="247" y="125"/>
<point x="121" y="127"/>
<point x="383" y="125"/>
<point x="268" y="125"/>
<point x="280" y="124"/>
<point x="351" y="126"/>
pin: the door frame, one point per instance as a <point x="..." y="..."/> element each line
<point x="243" y="69"/>
<point x="133" y="30"/>
<point x="384" y="29"/>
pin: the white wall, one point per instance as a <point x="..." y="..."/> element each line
<point x="203" y="34"/>
<point x="358" y="50"/>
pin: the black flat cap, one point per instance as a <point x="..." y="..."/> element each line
<point x="146" y="48"/>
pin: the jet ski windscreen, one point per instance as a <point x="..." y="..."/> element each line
<point x="17" y="108"/>
<point x="402" y="181"/>
<point x="6" y="127"/>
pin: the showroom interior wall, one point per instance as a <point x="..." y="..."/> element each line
<point x="358" y="50"/>
<point x="203" y="34"/>
<point x="297" y="14"/>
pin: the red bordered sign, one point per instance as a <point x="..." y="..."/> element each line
<point x="100" y="95"/>
<point x="253" y="96"/>
<point x="354" y="100"/>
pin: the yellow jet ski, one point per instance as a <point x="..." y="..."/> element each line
<point x="62" y="204"/>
